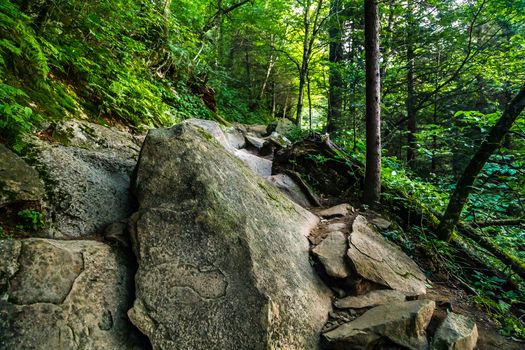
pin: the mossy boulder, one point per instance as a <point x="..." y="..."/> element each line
<point x="87" y="170"/>
<point x="222" y="254"/>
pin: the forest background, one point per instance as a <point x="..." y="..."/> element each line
<point x="448" y="69"/>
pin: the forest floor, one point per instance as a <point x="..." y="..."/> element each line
<point x="459" y="301"/>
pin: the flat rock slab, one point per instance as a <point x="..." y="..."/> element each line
<point x="456" y="332"/>
<point x="64" y="295"/>
<point x="290" y="188"/>
<point x="370" y="299"/>
<point x="332" y="254"/>
<point x="334" y="212"/>
<point x="18" y="181"/>
<point x="223" y="256"/>
<point x="404" y="323"/>
<point x="383" y="262"/>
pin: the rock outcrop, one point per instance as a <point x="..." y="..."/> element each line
<point x="223" y="255"/>
<point x="64" y="295"/>
<point x="18" y="181"/>
<point x="87" y="170"/>
<point x="383" y="262"/>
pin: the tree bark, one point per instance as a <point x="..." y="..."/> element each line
<point x="464" y="185"/>
<point x="311" y="29"/>
<point x="335" y="78"/>
<point x="372" y="188"/>
<point x="411" y="108"/>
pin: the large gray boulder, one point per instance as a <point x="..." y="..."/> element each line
<point x="64" y="295"/>
<point x="222" y="255"/>
<point x="383" y="262"/>
<point x="404" y="323"/>
<point x="18" y="181"/>
<point x="87" y="170"/>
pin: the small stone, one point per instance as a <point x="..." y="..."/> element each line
<point x="457" y="332"/>
<point x="331" y="252"/>
<point x="373" y="298"/>
<point x="333" y="212"/>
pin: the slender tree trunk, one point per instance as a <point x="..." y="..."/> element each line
<point x="304" y="64"/>
<point x="274" y="98"/>
<point x="271" y="62"/>
<point x="309" y="102"/>
<point x="372" y="189"/>
<point x="435" y="120"/>
<point x="248" y="71"/>
<point x="411" y="110"/>
<point x="302" y="83"/>
<point x="489" y="145"/>
<point x="335" y="57"/>
<point x="285" y="104"/>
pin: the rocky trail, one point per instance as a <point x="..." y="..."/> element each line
<point x="197" y="242"/>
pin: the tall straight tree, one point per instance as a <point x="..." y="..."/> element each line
<point x="311" y="26"/>
<point x="335" y="93"/>
<point x="411" y="108"/>
<point x="490" y="144"/>
<point x="372" y="190"/>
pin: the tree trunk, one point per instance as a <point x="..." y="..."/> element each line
<point x="464" y="185"/>
<point x="372" y="189"/>
<point x="335" y="78"/>
<point x="411" y="110"/>
<point x="302" y="83"/>
<point x="309" y="102"/>
<point x="304" y="65"/>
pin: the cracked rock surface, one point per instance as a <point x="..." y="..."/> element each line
<point x="404" y="323"/>
<point x="222" y="254"/>
<point x="87" y="171"/>
<point x="64" y="295"/>
<point x="383" y="262"/>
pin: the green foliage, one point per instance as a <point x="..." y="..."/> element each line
<point x="4" y="235"/>
<point x="31" y="220"/>
<point x="498" y="301"/>
<point x="18" y="45"/>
